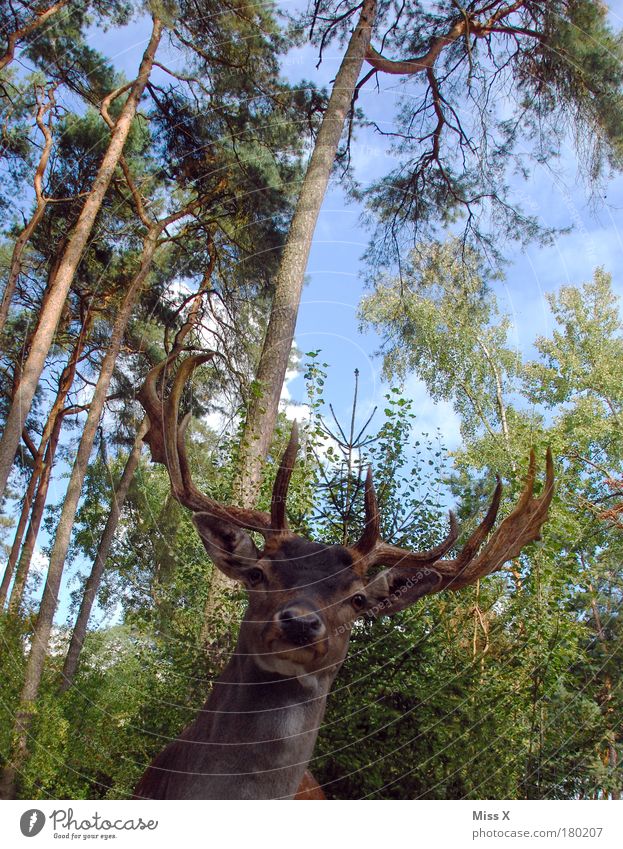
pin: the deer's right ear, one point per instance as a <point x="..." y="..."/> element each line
<point x="229" y="547"/>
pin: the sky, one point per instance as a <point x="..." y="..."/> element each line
<point x="335" y="285"/>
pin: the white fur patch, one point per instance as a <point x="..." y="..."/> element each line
<point x="287" y="668"/>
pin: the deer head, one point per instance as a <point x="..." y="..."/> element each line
<point x="304" y="596"/>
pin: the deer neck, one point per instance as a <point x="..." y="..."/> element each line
<point x="254" y="736"/>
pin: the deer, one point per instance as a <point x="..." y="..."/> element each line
<point x="255" y="735"/>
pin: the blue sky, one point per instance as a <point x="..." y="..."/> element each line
<point x="327" y="318"/>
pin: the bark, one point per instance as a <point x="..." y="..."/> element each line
<point x="613" y="760"/>
<point x="612" y="757"/>
<point x="467" y="24"/>
<point x="264" y="405"/>
<point x="93" y="582"/>
<point x="417" y="63"/>
<point x="37" y="488"/>
<point x="59" y="289"/>
<point x="25" y="559"/>
<point x="21" y="33"/>
<point x="499" y="399"/>
<point x="21" y="527"/>
<point x="40" y="207"/>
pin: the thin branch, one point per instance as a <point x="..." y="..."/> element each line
<point x="23" y="32"/>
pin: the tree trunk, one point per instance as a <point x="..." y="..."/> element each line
<point x="43" y="460"/>
<point x="57" y="295"/>
<point x="264" y="405"/>
<point x="23" y="566"/>
<point x="49" y="601"/>
<point x="271" y="371"/>
<point x="21" y="527"/>
<point x="499" y="399"/>
<point x="93" y="582"/>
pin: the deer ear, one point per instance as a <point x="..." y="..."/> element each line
<point x="394" y="589"/>
<point x="229" y="546"/>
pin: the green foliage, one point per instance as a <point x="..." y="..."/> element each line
<point x="440" y="320"/>
<point x="508" y="689"/>
<point x="534" y="656"/>
<point x="577" y="75"/>
<point x="61" y="49"/>
<point x="495" y="104"/>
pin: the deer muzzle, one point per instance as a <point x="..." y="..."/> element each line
<point x="296" y="634"/>
<point x="300" y="626"/>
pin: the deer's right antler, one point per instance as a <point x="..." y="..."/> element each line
<point x="522" y="526"/>
<point x="166" y="440"/>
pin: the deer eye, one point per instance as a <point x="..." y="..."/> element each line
<point x="359" y="601"/>
<point x="255" y="576"/>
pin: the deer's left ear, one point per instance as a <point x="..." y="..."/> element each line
<point x="394" y="589"/>
<point x="229" y="546"/>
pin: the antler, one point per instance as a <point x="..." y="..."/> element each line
<point x="278" y="518"/>
<point x="371" y="550"/>
<point x="522" y="526"/>
<point x="166" y="440"/>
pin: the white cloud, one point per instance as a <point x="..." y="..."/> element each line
<point x="432" y="415"/>
<point x="40" y="562"/>
<point x="291" y="375"/>
<point x="296" y="412"/>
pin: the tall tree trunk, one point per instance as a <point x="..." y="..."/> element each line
<point x="49" y="601"/>
<point x="499" y="400"/>
<point x="40" y="465"/>
<point x="31" y="26"/>
<point x="271" y="370"/>
<point x="25" y="559"/>
<point x="40" y="207"/>
<point x="59" y="289"/>
<point x="605" y="699"/>
<point x="93" y="581"/>
<point x="264" y="405"/>
<point x="21" y="527"/>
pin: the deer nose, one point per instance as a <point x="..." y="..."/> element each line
<point x="300" y="625"/>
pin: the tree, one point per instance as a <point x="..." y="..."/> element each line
<point x="555" y="68"/>
<point x="55" y="300"/>
<point x="440" y="320"/>
<point x="262" y="413"/>
<point x="527" y="665"/>
<point x="36" y="493"/>
<point x="103" y="550"/>
<point x="41" y="202"/>
<point x="559" y="599"/>
<point x="58" y="554"/>
<point x="79" y="145"/>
